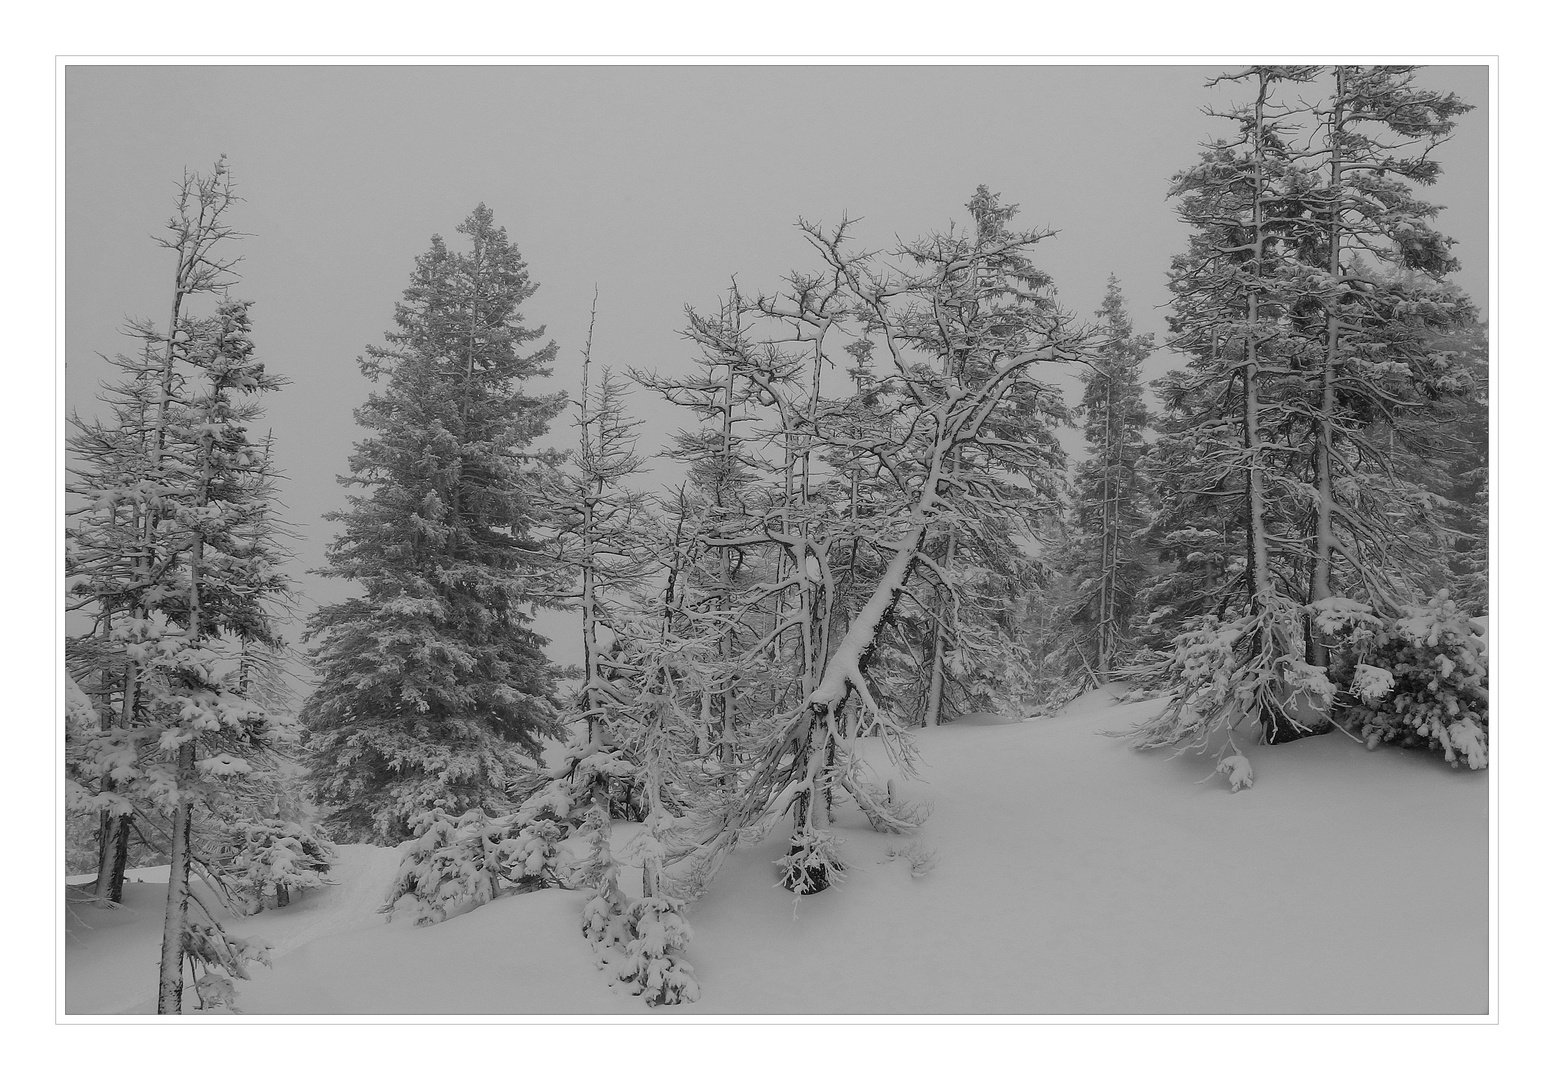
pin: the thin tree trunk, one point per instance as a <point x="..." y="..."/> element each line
<point x="170" y="980"/>
<point x="725" y="697"/>
<point x="1321" y="567"/>
<point x="170" y="986"/>
<point x="112" y="829"/>
<point x="1261" y="580"/>
<point x="933" y="712"/>
<point x="110" y="881"/>
<point x="1108" y="541"/>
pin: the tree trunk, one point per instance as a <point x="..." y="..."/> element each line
<point x="110" y="870"/>
<point x="113" y="860"/>
<point x="933" y="710"/>
<point x="1261" y="579"/>
<point x="1321" y="567"/>
<point x="170" y="981"/>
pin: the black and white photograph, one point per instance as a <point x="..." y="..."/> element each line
<point x="873" y="539"/>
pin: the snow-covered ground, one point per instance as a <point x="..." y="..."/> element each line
<point x="1066" y="874"/>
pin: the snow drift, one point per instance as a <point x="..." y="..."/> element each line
<point x="1059" y="873"/>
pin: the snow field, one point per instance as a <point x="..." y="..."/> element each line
<point x="1069" y="875"/>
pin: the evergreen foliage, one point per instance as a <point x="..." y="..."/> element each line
<point x="1421" y="678"/>
<point x="174" y="549"/>
<point x="271" y="861"/>
<point x="1302" y="452"/>
<point x="433" y="685"/>
<point x="1111" y="495"/>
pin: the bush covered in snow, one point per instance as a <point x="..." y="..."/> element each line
<point x="655" y="967"/>
<point x="644" y="940"/>
<point x="271" y="858"/>
<point x="1422" y="679"/>
<point x="452" y="864"/>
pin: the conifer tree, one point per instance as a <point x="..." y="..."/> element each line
<point x="1346" y="379"/>
<point x="720" y="589"/>
<point x="433" y="683"/>
<point x="120" y="560"/>
<point x="174" y="549"/>
<point x="1111" y="498"/>
<point x="1005" y="485"/>
<point x="1383" y="310"/>
<point x="194" y="740"/>
<point x="1240" y="653"/>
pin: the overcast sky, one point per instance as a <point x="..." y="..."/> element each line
<point x="655" y="184"/>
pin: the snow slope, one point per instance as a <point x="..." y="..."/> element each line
<point x="1069" y="875"/>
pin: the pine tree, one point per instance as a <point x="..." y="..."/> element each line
<point x="1227" y="425"/>
<point x="1005" y="485"/>
<point x="433" y="684"/>
<point x="1347" y="379"/>
<point x="120" y="559"/>
<point x="1467" y="480"/>
<point x="1111" y="497"/>
<point x="1378" y="332"/>
<point x="229" y="568"/>
<point x="173" y="547"/>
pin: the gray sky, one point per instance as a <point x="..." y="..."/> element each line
<point x="657" y="184"/>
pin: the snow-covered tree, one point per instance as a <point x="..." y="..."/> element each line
<point x="122" y="554"/>
<point x="1111" y="496"/>
<point x="175" y="552"/>
<point x="1337" y="333"/>
<point x="1005" y="487"/>
<point x="433" y="684"/>
<point x="1376" y="334"/>
<point x="272" y="859"/>
<point x="1224" y="424"/>
<point x="964" y="324"/>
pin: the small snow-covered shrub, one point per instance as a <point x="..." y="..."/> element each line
<point x="604" y="921"/>
<point x="1438" y="697"/>
<point x="451" y="865"/>
<point x="654" y="966"/>
<point x="644" y="939"/>
<point x="270" y="858"/>
<point x="535" y="855"/>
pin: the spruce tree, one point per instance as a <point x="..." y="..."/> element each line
<point x="433" y="685"/>
<point x="1375" y="312"/>
<point x="1322" y="339"/>
<point x="1237" y="503"/>
<point x="174" y="549"/>
<point x="1111" y="497"/>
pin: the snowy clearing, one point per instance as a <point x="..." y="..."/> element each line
<point x="1059" y="873"/>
